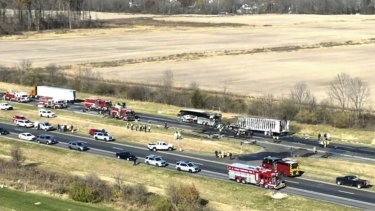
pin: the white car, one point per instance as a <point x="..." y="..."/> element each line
<point x="103" y="136"/>
<point x="46" y="126"/>
<point x="6" y="106"/>
<point x="46" y="113"/>
<point x="155" y="160"/>
<point x="187" y="166"/>
<point x="24" y="123"/>
<point x="27" y="136"/>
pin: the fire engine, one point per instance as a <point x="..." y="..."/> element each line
<point x="21" y="97"/>
<point x="283" y="166"/>
<point x="256" y="175"/>
<point x="97" y="104"/>
<point x="120" y="111"/>
<point x="49" y="102"/>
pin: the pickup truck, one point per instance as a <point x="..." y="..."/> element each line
<point x="6" y="106"/>
<point x="351" y="180"/>
<point x="160" y="145"/>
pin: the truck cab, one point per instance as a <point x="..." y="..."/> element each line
<point x="283" y="166"/>
<point x="160" y="145"/>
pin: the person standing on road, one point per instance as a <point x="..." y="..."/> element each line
<point x="58" y="127"/>
<point x="216" y="153"/>
<point x="319" y="136"/>
<point x="230" y="156"/>
<point x="135" y="161"/>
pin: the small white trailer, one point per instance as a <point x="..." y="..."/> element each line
<point x="54" y="92"/>
<point x="273" y="126"/>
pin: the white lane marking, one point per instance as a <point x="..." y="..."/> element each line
<point x="292" y="181"/>
<point x="18" y="129"/>
<point x="199" y="164"/>
<point x="300" y="143"/>
<point x="345" y="192"/>
<point x="117" y="148"/>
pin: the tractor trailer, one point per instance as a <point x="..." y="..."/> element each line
<point x="55" y="93"/>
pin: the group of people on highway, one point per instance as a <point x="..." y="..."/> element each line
<point x="63" y="128"/>
<point x="222" y="154"/>
<point x="137" y="127"/>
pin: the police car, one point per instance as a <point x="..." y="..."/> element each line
<point x="155" y="160"/>
<point x="187" y="166"/>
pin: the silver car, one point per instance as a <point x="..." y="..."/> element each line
<point x="155" y="160"/>
<point x="187" y="166"/>
<point x="46" y="139"/>
<point x="77" y="145"/>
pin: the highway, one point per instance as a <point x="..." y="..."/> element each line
<point x="362" y="152"/>
<point x="290" y="141"/>
<point x="215" y="168"/>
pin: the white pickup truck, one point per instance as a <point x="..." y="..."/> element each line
<point x="160" y="145"/>
<point x="6" y="106"/>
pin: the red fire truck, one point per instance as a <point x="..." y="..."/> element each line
<point x="94" y="104"/>
<point x="256" y="175"/>
<point x="283" y="166"/>
<point x="120" y="111"/>
<point x="49" y="102"/>
<point x="21" y="97"/>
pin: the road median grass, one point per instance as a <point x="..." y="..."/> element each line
<point x="118" y="129"/>
<point x="222" y="195"/>
<point x="11" y="200"/>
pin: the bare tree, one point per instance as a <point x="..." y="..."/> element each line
<point x="268" y="105"/>
<point x="167" y="82"/>
<point x="301" y="95"/>
<point x="23" y="67"/>
<point x="17" y="156"/>
<point x="339" y="90"/>
<point x="358" y="94"/>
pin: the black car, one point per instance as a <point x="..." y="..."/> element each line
<point x="125" y="155"/>
<point x="3" y="131"/>
<point x="46" y="139"/>
<point x="352" y="180"/>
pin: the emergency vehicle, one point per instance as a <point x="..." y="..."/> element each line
<point x="283" y="166"/>
<point x="49" y="102"/>
<point x="255" y="175"/>
<point x="120" y="111"/>
<point x="97" y="104"/>
<point x="21" y="97"/>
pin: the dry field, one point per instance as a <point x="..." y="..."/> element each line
<point x="139" y="37"/>
<point x="223" y="195"/>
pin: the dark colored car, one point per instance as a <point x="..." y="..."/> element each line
<point x="77" y="145"/>
<point x="46" y="139"/>
<point x="3" y="131"/>
<point x="125" y="155"/>
<point x="351" y="180"/>
<point x="93" y="131"/>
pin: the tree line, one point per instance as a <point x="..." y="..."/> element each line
<point x="348" y="105"/>
<point x="21" y="15"/>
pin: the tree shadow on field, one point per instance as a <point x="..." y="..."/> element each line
<point x="203" y="202"/>
<point x="32" y="165"/>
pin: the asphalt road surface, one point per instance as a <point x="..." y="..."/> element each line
<point x="215" y="168"/>
<point x="360" y="152"/>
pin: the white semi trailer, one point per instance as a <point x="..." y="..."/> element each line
<point x="268" y="126"/>
<point x="56" y="93"/>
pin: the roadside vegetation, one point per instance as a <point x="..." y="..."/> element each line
<point x="346" y="115"/>
<point x="113" y="183"/>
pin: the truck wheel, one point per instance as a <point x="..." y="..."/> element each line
<point x="190" y="171"/>
<point x="238" y="180"/>
<point x="154" y="149"/>
<point x="243" y="181"/>
<point x="266" y="186"/>
<point x="157" y="164"/>
<point x="338" y="183"/>
<point x="147" y="163"/>
<point x="118" y="157"/>
<point x="105" y="140"/>
<point x="282" y="174"/>
<point x="70" y="147"/>
<point x="40" y="115"/>
<point x="96" y="138"/>
<point x="178" y="169"/>
<point x="38" y="142"/>
<point x="170" y="148"/>
<point x="359" y="186"/>
<point x="127" y="159"/>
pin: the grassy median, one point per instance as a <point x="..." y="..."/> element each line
<point x="118" y="129"/>
<point x="223" y="195"/>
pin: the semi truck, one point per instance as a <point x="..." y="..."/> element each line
<point x="56" y="93"/>
<point x="272" y="127"/>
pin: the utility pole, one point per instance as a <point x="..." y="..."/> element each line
<point x="69" y="16"/>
